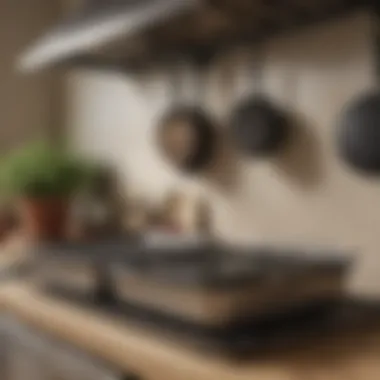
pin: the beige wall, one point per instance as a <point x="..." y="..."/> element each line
<point x="29" y="105"/>
<point x="306" y="196"/>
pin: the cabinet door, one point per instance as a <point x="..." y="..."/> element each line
<point x="3" y="348"/>
<point x="67" y="363"/>
<point x="38" y="358"/>
<point x="24" y="354"/>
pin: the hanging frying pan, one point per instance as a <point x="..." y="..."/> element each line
<point x="258" y="126"/>
<point x="358" y="137"/>
<point x="186" y="134"/>
<point x="359" y="134"/>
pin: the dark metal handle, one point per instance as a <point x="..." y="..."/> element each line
<point x="104" y="291"/>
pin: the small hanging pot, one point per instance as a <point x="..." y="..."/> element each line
<point x="358" y="135"/>
<point x="187" y="138"/>
<point x="186" y="134"/>
<point x="258" y="126"/>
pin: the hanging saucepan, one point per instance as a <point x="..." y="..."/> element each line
<point x="187" y="138"/>
<point x="358" y="136"/>
<point x="187" y="135"/>
<point x="359" y="133"/>
<point x="258" y="126"/>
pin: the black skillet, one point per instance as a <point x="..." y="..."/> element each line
<point x="187" y="138"/>
<point x="358" y="135"/>
<point x="258" y="126"/>
<point x="186" y="133"/>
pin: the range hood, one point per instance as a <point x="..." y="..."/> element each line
<point x="96" y="24"/>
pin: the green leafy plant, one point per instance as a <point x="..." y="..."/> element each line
<point x="41" y="170"/>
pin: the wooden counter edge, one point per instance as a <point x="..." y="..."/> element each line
<point x="121" y="345"/>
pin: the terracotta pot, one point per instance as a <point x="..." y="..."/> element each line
<point x="44" y="219"/>
<point x="8" y="221"/>
<point x="4" y="229"/>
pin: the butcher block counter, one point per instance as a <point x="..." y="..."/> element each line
<point x="154" y="356"/>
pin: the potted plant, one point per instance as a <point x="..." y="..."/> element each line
<point x="42" y="179"/>
<point x="7" y="219"/>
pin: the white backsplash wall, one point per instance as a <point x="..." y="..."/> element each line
<point x="306" y="195"/>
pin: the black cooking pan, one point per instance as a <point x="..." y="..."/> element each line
<point x="186" y="134"/>
<point x="258" y="126"/>
<point x="358" y="137"/>
<point x="187" y="137"/>
<point x="359" y="133"/>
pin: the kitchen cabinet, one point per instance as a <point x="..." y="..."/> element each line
<point x="3" y="346"/>
<point x="29" y="354"/>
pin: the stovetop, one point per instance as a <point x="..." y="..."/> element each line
<point x="207" y="264"/>
<point x="202" y="266"/>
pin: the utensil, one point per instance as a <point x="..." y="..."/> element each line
<point x="358" y="135"/>
<point x="186" y="133"/>
<point x="258" y="126"/>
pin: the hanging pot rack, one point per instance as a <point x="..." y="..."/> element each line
<point x="203" y="26"/>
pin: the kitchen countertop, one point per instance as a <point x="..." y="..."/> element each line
<point x="153" y="355"/>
